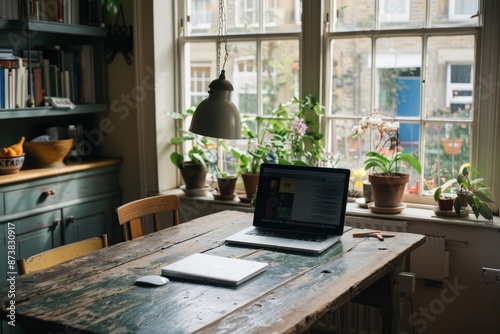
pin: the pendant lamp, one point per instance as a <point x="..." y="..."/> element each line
<point x="217" y="116"/>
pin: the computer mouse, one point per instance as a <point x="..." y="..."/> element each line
<point x="152" y="280"/>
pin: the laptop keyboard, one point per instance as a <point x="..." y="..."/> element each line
<point x="288" y="235"/>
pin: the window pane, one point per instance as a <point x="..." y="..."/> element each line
<point x="402" y="14"/>
<point x="456" y="13"/>
<point x="201" y="58"/>
<point x="351" y="76"/>
<point x="397" y="84"/>
<point x="447" y="147"/>
<point x="352" y="15"/>
<point x="244" y="16"/>
<point x="449" y="77"/>
<point x="280" y="73"/>
<point x="241" y="70"/>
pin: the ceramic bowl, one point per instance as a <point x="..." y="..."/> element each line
<point x="11" y="165"/>
<point x="48" y="153"/>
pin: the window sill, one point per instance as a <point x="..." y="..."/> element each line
<point x="420" y="213"/>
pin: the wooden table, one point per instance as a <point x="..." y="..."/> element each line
<point x="96" y="293"/>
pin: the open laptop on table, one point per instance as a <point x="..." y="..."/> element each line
<point x="297" y="208"/>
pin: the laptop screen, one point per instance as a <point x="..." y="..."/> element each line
<point x="302" y="198"/>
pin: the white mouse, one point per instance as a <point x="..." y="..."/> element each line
<point x="153" y="280"/>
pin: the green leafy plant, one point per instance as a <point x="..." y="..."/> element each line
<point x="392" y="158"/>
<point x="249" y="161"/>
<point x="470" y="190"/>
<point x="291" y="135"/>
<point x="203" y="151"/>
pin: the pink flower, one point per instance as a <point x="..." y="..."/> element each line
<point x="299" y="127"/>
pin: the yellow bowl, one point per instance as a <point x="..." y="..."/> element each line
<point x="11" y="165"/>
<point x="48" y="153"/>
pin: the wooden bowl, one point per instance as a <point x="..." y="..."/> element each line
<point x="48" y="153"/>
<point x="11" y="165"/>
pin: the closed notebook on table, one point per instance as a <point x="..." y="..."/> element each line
<point x="214" y="269"/>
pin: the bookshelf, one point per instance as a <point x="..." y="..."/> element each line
<point x="37" y="36"/>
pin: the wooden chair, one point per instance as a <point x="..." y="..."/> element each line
<point x="130" y="214"/>
<point x="61" y="254"/>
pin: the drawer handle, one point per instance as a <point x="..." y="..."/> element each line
<point x="70" y="219"/>
<point x="48" y="193"/>
<point x="57" y="222"/>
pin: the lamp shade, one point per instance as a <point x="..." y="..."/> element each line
<point x="217" y="116"/>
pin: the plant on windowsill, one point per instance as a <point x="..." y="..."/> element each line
<point x="202" y="157"/>
<point x="226" y="182"/>
<point x="291" y="135"/>
<point x="469" y="190"/>
<point x="387" y="182"/>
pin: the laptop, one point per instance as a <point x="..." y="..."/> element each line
<point x="298" y="208"/>
<point x="214" y="269"/>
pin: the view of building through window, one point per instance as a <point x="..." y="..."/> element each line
<point x="398" y="58"/>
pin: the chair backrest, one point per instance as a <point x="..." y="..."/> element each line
<point x="130" y="214"/>
<point x="61" y="254"/>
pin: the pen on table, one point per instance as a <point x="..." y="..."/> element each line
<point x="377" y="234"/>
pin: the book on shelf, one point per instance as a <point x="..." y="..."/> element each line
<point x="37" y="87"/>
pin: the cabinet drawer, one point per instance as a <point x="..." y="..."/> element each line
<point x="55" y="193"/>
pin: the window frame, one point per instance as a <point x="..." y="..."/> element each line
<point x="485" y="81"/>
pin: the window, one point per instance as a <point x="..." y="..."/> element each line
<point x="418" y="64"/>
<point x="263" y="60"/>
<point x="422" y="76"/>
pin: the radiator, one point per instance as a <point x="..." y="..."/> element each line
<point x="431" y="260"/>
<point x="354" y="318"/>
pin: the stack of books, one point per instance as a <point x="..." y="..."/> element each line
<point x="28" y="77"/>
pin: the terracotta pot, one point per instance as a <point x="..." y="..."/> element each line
<point x="462" y="199"/>
<point x="226" y="185"/>
<point x="250" y="181"/>
<point x="445" y="204"/>
<point x="388" y="190"/>
<point x="193" y="174"/>
<point x="452" y="146"/>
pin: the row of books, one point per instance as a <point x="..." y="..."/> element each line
<point x="52" y="71"/>
<point x="86" y="12"/>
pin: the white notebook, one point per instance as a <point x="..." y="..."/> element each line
<point x="214" y="269"/>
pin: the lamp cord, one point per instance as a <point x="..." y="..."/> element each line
<point x="222" y="36"/>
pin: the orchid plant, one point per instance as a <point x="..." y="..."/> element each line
<point x="387" y="157"/>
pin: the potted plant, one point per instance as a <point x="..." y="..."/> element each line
<point x="202" y="156"/>
<point x="226" y="183"/>
<point x="387" y="182"/>
<point x="248" y="162"/>
<point x="470" y="190"/>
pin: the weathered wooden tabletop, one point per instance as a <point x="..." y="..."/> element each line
<point x="96" y="293"/>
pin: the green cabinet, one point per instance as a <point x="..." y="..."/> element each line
<point x="67" y="205"/>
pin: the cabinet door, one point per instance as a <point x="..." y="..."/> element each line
<point x="87" y="220"/>
<point x="33" y="235"/>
